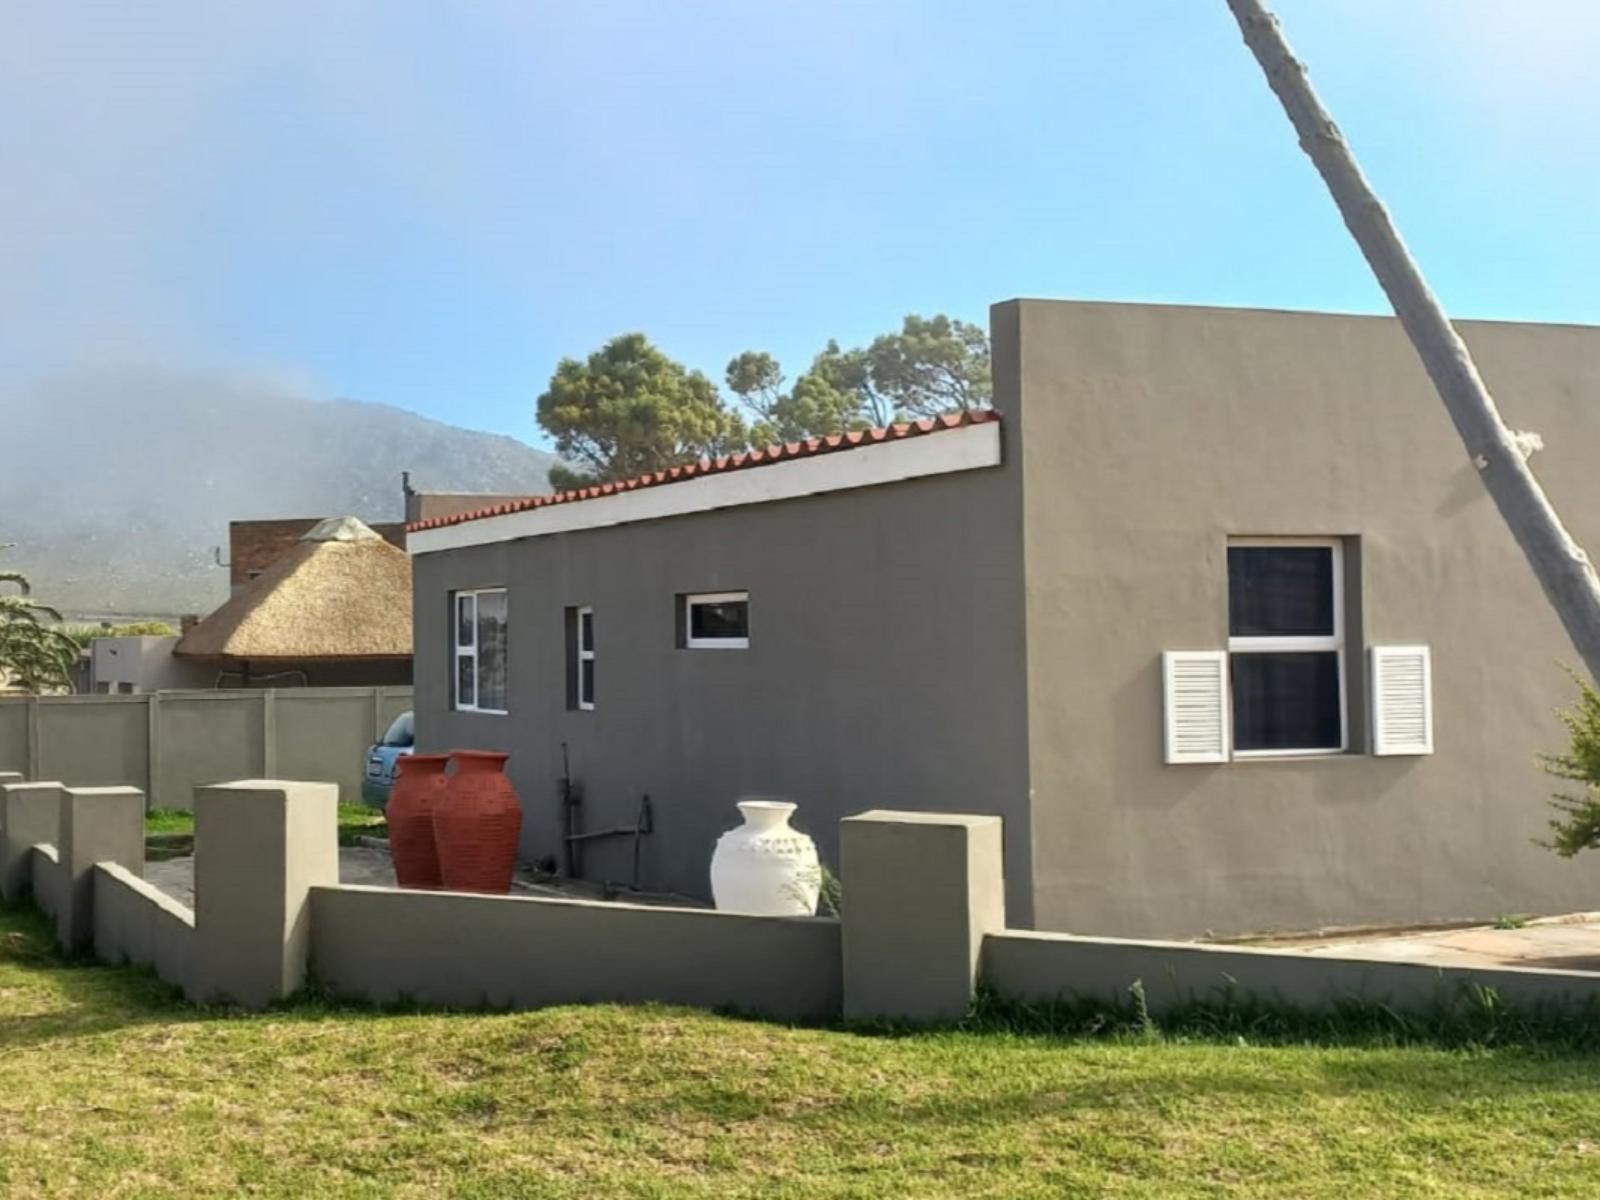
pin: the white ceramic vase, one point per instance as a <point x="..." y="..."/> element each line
<point x="764" y="867"/>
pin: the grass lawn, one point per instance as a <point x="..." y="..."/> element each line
<point x="173" y="828"/>
<point x="109" y="1087"/>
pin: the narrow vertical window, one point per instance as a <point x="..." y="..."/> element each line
<point x="480" y="640"/>
<point x="585" y="672"/>
<point x="1286" y="647"/>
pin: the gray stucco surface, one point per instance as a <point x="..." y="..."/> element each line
<point x="885" y="670"/>
<point x="1042" y="967"/>
<point x="168" y="743"/>
<point x="991" y="641"/>
<point x="1150" y="435"/>
<point x="468" y="951"/>
<point x="923" y="891"/>
<point x="135" y="922"/>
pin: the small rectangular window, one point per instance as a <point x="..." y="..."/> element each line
<point x="585" y="666"/>
<point x="480" y="651"/>
<point x="717" y="621"/>
<point x="1286" y="647"/>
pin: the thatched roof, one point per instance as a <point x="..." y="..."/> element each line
<point x="342" y="592"/>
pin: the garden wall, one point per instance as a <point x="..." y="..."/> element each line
<point x="513" y="952"/>
<point x="137" y="923"/>
<point x="168" y="743"/>
<point x="1045" y="967"/>
<point x="923" y="926"/>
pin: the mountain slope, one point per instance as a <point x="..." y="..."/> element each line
<point x="115" y="487"/>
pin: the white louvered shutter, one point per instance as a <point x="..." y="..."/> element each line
<point x="1195" y="685"/>
<point x="1402" y="700"/>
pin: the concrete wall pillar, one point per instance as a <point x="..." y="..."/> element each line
<point x="920" y="892"/>
<point x="261" y="845"/>
<point x="29" y="815"/>
<point x="97" y="824"/>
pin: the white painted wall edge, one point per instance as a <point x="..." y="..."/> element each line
<point x="938" y="453"/>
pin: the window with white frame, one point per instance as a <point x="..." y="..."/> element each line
<point x="584" y="655"/>
<point x="717" y="621"/>
<point x="480" y="650"/>
<point x="1286" y="667"/>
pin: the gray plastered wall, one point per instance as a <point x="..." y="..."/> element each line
<point x="1149" y="436"/>
<point x="885" y="669"/>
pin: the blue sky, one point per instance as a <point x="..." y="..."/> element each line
<point x="428" y="205"/>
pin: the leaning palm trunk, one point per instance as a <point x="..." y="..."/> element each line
<point x="1563" y="569"/>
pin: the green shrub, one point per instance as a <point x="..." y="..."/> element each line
<point x="1578" y="826"/>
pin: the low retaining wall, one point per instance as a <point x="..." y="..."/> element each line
<point x="923" y="924"/>
<point x="1044" y="967"/>
<point x="139" y="924"/>
<point x="46" y="883"/>
<point x="519" y="952"/>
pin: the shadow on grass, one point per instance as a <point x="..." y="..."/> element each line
<point x="86" y="997"/>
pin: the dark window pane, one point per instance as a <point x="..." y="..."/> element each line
<point x="724" y="619"/>
<point x="492" y="650"/>
<point x="586" y="630"/>
<point x="1286" y="701"/>
<point x="586" y="681"/>
<point x="466" y="607"/>
<point x="466" y="694"/>
<point x="1280" y="591"/>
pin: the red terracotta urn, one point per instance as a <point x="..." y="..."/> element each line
<point x="419" y="789"/>
<point x="478" y="824"/>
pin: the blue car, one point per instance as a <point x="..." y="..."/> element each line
<point x="383" y="758"/>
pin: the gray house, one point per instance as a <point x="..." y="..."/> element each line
<point x="1213" y="611"/>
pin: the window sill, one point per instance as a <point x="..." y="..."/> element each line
<point x="483" y="712"/>
<point x="1295" y="756"/>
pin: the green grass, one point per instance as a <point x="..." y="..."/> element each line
<point x="111" y="1087"/>
<point x="173" y="827"/>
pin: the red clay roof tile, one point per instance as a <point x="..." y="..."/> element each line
<point x="743" y="461"/>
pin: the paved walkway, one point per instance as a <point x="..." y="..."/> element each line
<point x="357" y="864"/>
<point x="1568" y="943"/>
<point x="370" y="866"/>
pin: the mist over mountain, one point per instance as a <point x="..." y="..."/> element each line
<point x="116" y="485"/>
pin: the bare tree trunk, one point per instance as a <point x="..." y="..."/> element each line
<point x="1563" y="569"/>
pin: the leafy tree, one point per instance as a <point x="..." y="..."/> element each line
<point x="831" y="397"/>
<point x="1578" y="828"/>
<point x="628" y="410"/>
<point x="932" y="365"/>
<point x="33" y="656"/>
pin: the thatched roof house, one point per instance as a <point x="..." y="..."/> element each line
<point x="336" y="609"/>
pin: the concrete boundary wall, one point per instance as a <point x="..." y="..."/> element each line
<point x="1044" y="967"/>
<point x="46" y="884"/>
<point x="923" y="927"/>
<point x="168" y="743"/>
<point x="465" y="951"/>
<point x="142" y="925"/>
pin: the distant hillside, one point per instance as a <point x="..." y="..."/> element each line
<point x="115" y="487"/>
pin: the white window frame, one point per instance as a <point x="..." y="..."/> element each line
<point x="460" y="651"/>
<point x="584" y="611"/>
<point x="722" y="643"/>
<point x="1321" y="643"/>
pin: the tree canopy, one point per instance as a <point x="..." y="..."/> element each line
<point x="629" y="409"/>
<point x="34" y="656"/>
<point x="930" y="366"/>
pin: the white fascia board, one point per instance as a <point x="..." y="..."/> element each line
<point x="939" y="453"/>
